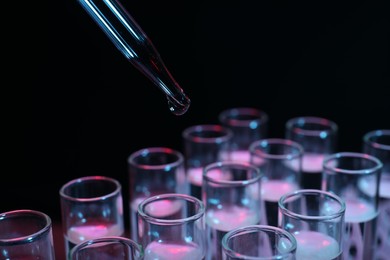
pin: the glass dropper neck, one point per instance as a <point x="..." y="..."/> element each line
<point x="130" y="39"/>
<point x="152" y="66"/>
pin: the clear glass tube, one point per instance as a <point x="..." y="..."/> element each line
<point x="108" y="248"/>
<point x="135" y="45"/>
<point x="172" y="226"/>
<point x="377" y="143"/>
<point x="316" y="219"/>
<point x="259" y="242"/>
<point x="26" y="234"/>
<point x="355" y="177"/>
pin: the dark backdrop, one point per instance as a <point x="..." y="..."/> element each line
<point x="86" y="108"/>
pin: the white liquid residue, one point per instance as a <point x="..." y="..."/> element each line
<point x="166" y="251"/>
<point x="359" y="211"/>
<point x="313" y="245"/>
<point x="312" y="162"/>
<point x="79" y="234"/>
<point x="368" y="185"/>
<point x="272" y="190"/>
<point x="231" y="217"/>
<point x="241" y="156"/>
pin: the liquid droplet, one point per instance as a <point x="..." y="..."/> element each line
<point x="178" y="108"/>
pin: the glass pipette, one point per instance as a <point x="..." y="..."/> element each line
<point x="135" y="45"/>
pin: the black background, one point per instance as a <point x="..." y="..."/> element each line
<point x="83" y="108"/>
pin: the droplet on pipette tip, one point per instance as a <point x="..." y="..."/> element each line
<point x="178" y="108"/>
